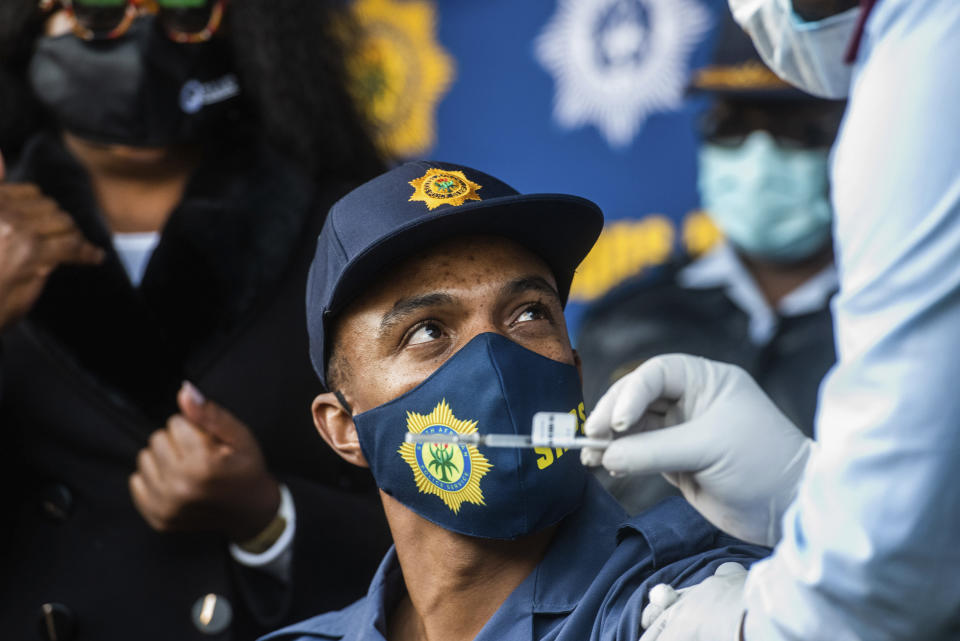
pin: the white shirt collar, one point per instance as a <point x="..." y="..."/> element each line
<point x="721" y="267"/>
<point x="134" y="250"/>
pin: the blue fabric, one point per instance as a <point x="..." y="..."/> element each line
<point x="503" y="111"/>
<point x="490" y="386"/>
<point x="592" y="583"/>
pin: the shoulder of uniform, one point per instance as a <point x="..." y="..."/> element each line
<point x="331" y="625"/>
<point x="675" y="531"/>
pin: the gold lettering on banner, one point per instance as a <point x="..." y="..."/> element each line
<point x="624" y="248"/>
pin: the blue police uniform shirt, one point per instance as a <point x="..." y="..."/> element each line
<point x="591" y="584"/>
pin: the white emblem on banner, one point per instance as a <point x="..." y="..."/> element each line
<point x="616" y="62"/>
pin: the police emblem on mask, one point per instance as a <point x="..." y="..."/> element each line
<point x="449" y="471"/>
<point x="441" y="187"/>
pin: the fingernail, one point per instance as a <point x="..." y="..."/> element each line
<point x="195" y="396"/>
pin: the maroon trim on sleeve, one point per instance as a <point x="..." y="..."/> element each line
<point x="866" y="6"/>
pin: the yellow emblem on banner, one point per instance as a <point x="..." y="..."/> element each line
<point x="624" y="248"/>
<point x="700" y="233"/>
<point x="443" y="187"/>
<point x="451" y="472"/>
<point x="400" y="72"/>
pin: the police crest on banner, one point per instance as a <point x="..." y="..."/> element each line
<point x="400" y="72"/>
<point x="616" y="62"/>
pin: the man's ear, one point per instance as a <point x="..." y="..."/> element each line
<point x="337" y="428"/>
<point x="579" y="364"/>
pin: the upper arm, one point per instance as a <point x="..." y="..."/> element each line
<point x="621" y="615"/>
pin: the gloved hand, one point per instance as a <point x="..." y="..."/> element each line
<point x="710" y="611"/>
<point x="734" y="455"/>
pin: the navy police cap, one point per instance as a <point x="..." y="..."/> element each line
<point x="411" y="208"/>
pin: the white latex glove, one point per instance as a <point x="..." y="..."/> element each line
<point x="734" y="455"/>
<point x="710" y="611"/>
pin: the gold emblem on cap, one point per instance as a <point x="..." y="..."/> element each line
<point x="443" y="187"/>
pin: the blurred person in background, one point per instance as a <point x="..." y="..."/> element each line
<point x="760" y="299"/>
<point x="168" y="166"/>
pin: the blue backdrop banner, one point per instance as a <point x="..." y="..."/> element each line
<point x="577" y="96"/>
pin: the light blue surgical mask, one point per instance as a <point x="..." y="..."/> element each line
<point x="770" y="202"/>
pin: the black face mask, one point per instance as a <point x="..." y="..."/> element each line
<point x="141" y="90"/>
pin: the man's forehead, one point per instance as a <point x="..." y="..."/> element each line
<point x="468" y="263"/>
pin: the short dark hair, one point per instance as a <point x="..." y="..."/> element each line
<point x="338" y="369"/>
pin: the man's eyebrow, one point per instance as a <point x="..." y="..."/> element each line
<point x="407" y="306"/>
<point x="530" y="283"/>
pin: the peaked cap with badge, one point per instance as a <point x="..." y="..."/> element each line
<point x="419" y="204"/>
<point x="737" y="71"/>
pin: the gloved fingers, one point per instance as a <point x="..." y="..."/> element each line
<point x="656" y="383"/>
<point x="672" y="478"/>
<point x="650" y="613"/>
<point x="730" y="568"/>
<point x="591" y="457"/>
<point x="663" y="595"/>
<point x="680" y="448"/>
<point x="655" y="626"/>
<point x="644" y="386"/>
<point x="659" y="414"/>
<point x="712" y="609"/>
<point x="597" y="424"/>
<point x="660" y="597"/>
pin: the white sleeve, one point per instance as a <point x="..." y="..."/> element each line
<point x="870" y="545"/>
<point x="275" y="560"/>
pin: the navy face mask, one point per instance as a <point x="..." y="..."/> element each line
<point x="491" y="386"/>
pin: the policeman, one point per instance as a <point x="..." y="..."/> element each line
<point x="760" y="299"/>
<point x="435" y="307"/>
<point x="870" y="516"/>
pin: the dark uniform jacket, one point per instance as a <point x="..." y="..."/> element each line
<point x="592" y="584"/>
<point x="94" y="370"/>
<point x="653" y="314"/>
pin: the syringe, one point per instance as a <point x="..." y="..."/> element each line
<point x="550" y="429"/>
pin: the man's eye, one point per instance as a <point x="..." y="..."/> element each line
<point x="425" y="333"/>
<point x="532" y="313"/>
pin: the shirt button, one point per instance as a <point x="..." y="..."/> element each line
<point x="56" y="622"/>
<point x="212" y="613"/>
<point x="56" y="501"/>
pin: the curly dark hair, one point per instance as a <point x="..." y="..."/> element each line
<point x="289" y="55"/>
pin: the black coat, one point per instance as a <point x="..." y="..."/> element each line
<point x="94" y="370"/>
<point x="652" y="314"/>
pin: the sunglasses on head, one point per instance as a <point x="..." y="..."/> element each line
<point x="184" y="21"/>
